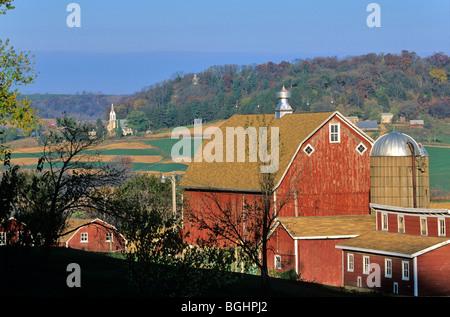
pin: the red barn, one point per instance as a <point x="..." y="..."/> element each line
<point x="92" y="235"/>
<point x="323" y="170"/>
<point x="12" y="232"/>
<point x="408" y="253"/>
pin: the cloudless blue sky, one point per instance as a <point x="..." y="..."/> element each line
<point x="123" y="46"/>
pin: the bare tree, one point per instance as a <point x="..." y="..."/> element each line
<point x="246" y="224"/>
<point x="66" y="180"/>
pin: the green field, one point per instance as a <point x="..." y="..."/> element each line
<point x="439" y="167"/>
<point x="439" y="159"/>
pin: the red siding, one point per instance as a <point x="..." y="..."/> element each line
<point x="320" y="262"/>
<point x="280" y="243"/>
<point x="333" y="180"/>
<point x="405" y="287"/>
<point x="412" y="224"/>
<point x="206" y="204"/>
<point x="433" y="272"/>
<point x="12" y="228"/>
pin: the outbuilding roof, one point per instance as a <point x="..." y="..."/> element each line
<point x="393" y="244"/>
<point x="327" y="227"/>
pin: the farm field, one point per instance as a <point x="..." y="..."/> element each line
<point x="439" y="167"/>
<point x="153" y="155"/>
<point x="145" y="155"/>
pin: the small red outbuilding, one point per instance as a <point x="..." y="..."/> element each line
<point x="307" y="245"/>
<point x="92" y="235"/>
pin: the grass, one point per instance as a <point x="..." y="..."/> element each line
<point x="439" y="167"/>
<point x="104" y="276"/>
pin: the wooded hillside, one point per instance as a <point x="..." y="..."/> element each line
<point x="404" y="84"/>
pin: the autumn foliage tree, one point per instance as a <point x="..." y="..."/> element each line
<point x="16" y="69"/>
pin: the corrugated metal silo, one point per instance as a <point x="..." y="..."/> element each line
<point x="399" y="172"/>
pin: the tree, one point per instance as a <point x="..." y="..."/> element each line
<point x="245" y="224"/>
<point x="138" y="120"/>
<point x="160" y="261"/>
<point x="100" y="132"/>
<point x="65" y="181"/>
<point x="16" y="69"/>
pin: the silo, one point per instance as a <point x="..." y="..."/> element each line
<point x="399" y="172"/>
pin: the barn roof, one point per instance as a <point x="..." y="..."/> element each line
<point x="393" y="244"/>
<point x="368" y="125"/>
<point x="327" y="227"/>
<point x="293" y="130"/>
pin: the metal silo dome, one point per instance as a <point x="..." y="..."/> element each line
<point x="397" y="144"/>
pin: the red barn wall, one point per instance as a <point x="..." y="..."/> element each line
<point x="333" y="180"/>
<point x="405" y="287"/>
<point x="205" y="203"/>
<point x="96" y="240"/>
<point x="433" y="272"/>
<point x="281" y="243"/>
<point x="320" y="261"/>
<point x="412" y="224"/>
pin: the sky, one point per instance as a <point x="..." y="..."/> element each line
<point x="121" y="47"/>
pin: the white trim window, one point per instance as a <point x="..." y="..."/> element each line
<point x="109" y="237"/>
<point x="384" y="221"/>
<point x="361" y="148"/>
<point x="350" y="262"/>
<point x="405" y="270"/>
<point x="388" y="268"/>
<point x="441" y="227"/>
<point x="2" y="238"/>
<point x="278" y="262"/>
<point x="84" y="237"/>
<point x="335" y="133"/>
<point x="308" y="149"/>
<point x="401" y="223"/>
<point x="423" y="226"/>
<point x="366" y="264"/>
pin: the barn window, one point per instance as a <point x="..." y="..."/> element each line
<point x="405" y="270"/>
<point x="361" y="148"/>
<point x="384" y="221"/>
<point x="441" y="223"/>
<point x="84" y="237"/>
<point x="278" y="262"/>
<point x="387" y="267"/>
<point x="401" y="224"/>
<point x="2" y="238"/>
<point x="308" y="149"/>
<point x="350" y="263"/>
<point x="366" y="265"/>
<point x="423" y="226"/>
<point x="109" y="237"/>
<point x="334" y="133"/>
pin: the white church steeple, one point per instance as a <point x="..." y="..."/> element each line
<point x="112" y="120"/>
